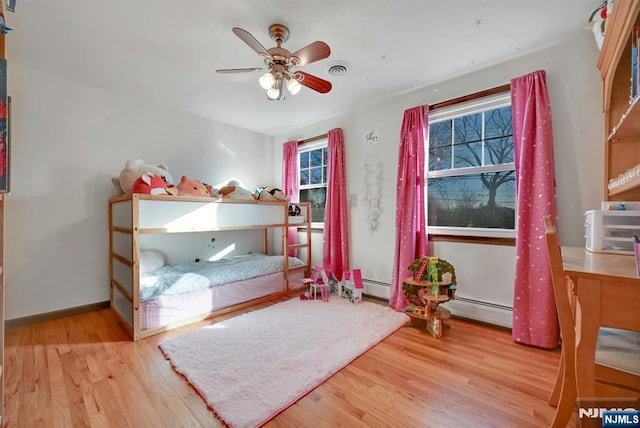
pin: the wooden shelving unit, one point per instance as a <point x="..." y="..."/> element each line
<point x="621" y="113"/>
<point x="133" y="218"/>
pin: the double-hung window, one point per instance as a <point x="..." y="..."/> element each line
<point x="312" y="161"/>
<point x="471" y="170"/>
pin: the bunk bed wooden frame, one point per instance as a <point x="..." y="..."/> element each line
<point x="136" y="214"/>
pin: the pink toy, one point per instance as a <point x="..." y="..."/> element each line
<point x="316" y="282"/>
<point x="152" y="184"/>
<point x="192" y="187"/>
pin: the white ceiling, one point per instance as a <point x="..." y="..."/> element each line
<point x="167" y="51"/>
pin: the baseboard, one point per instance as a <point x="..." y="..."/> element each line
<point x="481" y="311"/>
<point x="33" y="319"/>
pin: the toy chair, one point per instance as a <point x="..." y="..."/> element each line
<point x="320" y="283"/>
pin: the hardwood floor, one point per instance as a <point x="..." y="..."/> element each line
<point x="83" y="371"/>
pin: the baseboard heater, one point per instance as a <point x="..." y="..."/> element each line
<point x="379" y="289"/>
<point x="478" y="310"/>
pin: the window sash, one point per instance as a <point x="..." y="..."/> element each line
<point x="474" y="106"/>
<point x="322" y="143"/>
<point x="451" y="113"/>
<point x="471" y="170"/>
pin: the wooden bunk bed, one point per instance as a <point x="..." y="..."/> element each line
<point x="199" y="238"/>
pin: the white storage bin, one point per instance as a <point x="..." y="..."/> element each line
<point x="611" y="231"/>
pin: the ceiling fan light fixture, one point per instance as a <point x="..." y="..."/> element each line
<point x="275" y="92"/>
<point x="267" y="80"/>
<point x="292" y="85"/>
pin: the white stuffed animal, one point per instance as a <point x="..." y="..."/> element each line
<point x="134" y="168"/>
<point x="597" y="21"/>
<point x="234" y="190"/>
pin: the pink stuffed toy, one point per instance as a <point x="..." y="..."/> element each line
<point x="152" y="184"/>
<point x="192" y="187"/>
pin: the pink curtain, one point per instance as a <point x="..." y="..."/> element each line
<point x="411" y="232"/>
<point x="534" y="313"/>
<point x="335" y="247"/>
<point x="290" y="182"/>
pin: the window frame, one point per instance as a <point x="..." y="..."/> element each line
<point x="449" y="110"/>
<point x="307" y="146"/>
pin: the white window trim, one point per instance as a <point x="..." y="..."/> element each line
<point x="475" y="232"/>
<point x="471" y="170"/>
<point x="470" y="107"/>
<point x="312" y="145"/>
<point x="449" y="113"/>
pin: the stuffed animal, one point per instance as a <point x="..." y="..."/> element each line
<point x="234" y="190"/>
<point x="272" y="194"/>
<point x="152" y="184"/>
<point x="192" y="187"/>
<point x="134" y="168"/>
<point x="294" y="210"/>
<point x="597" y="21"/>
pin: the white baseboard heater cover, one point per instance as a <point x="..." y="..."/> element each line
<point x="490" y="313"/>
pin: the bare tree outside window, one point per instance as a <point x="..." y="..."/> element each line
<point x="471" y="172"/>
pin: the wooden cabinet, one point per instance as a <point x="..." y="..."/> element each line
<point x="621" y="112"/>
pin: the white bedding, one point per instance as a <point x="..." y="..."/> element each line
<point x="189" y="277"/>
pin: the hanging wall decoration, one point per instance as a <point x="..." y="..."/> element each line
<point x="373" y="189"/>
<point x="371" y="137"/>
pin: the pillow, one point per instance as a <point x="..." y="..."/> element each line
<point x="150" y="260"/>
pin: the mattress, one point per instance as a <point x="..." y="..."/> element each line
<point x="189" y="277"/>
<point x="173" y="308"/>
<point x="180" y="294"/>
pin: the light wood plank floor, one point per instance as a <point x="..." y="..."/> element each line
<point x="83" y="371"/>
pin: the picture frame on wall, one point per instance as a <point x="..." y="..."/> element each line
<point x="4" y="130"/>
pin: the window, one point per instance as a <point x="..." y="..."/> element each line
<point x="471" y="170"/>
<point x="312" y="161"/>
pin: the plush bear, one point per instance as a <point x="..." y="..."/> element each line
<point x="152" y="184"/>
<point x="272" y="194"/>
<point x="134" y="168"/>
<point x="234" y="190"/>
<point x="193" y="187"/>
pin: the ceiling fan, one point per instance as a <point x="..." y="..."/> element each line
<point x="280" y="63"/>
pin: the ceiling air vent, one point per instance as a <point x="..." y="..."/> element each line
<point x="338" y="69"/>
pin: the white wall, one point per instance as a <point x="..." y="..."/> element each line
<point x="67" y="141"/>
<point x="575" y="95"/>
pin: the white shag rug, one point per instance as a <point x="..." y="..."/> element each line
<point x="251" y="367"/>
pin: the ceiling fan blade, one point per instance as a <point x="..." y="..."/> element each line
<point x="246" y="37"/>
<point x="312" y="82"/>
<point x="310" y="53"/>
<point x="238" y="70"/>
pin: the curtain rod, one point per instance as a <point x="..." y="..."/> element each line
<point x="310" y="139"/>
<point x="486" y="92"/>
